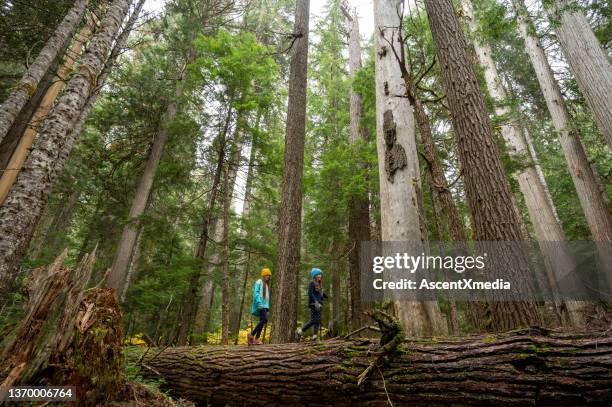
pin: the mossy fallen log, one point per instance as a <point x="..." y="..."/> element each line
<point x="520" y="368"/>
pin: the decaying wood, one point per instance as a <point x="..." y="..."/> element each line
<point x="69" y="335"/>
<point x="524" y="367"/>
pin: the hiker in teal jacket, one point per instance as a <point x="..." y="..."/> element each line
<point x="261" y="305"/>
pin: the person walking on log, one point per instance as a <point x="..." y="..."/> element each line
<point x="261" y="305"/>
<point x="316" y="295"/>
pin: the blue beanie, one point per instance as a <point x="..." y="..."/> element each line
<point x="315" y="272"/>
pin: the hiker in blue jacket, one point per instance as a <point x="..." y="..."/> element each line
<point x="260" y="306"/>
<point x="316" y="295"/>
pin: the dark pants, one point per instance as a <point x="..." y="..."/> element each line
<point x="263" y="319"/>
<point x="315" y="320"/>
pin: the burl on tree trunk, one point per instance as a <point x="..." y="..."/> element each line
<point x="524" y="367"/>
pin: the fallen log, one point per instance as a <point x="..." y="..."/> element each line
<point x="520" y="368"/>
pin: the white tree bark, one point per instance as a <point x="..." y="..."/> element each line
<point x="584" y="179"/>
<point x="587" y="61"/>
<point x="27" y="85"/>
<point x="28" y="197"/>
<point x="399" y="176"/>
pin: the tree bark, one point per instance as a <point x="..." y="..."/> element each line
<point x="284" y="313"/>
<point x="24" y="205"/>
<point x="336" y="295"/>
<point x="494" y="212"/>
<point x="27" y="86"/>
<point x="586" y="59"/>
<point x="521" y="368"/>
<point x="118" y="48"/>
<point x="188" y="308"/>
<point x="27" y="138"/>
<point x="207" y="290"/>
<point x="359" y="206"/>
<point x="398" y="162"/>
<point x="585" y="180"/>
<point x="134" y="263"/>
<point x="442" y="198"/>
<point x="125" y="247"/>
<point x="225" y="307"/>
<point x="22" y="121"/>
<point x="532" y="185"/>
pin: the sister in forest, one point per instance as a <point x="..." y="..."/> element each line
<point x="316" y="295"/>
<point x="261" y="305"/>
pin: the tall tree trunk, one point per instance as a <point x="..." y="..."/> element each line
<point x="245" y="278"/>
<point x="207" y="290"/>
<point x="24" y="205"/>
<point x="22" y="121"/>
<point x="190" y="299"/>
<point x="398" y="162"/>
<point x="246" y="208"/>
<point x="585" y="180"/>
<point x="359" y="206"/>
<point x="285" y="303"/>
<point x="336" y="295"/>
<point x="125" y="247"/>
<point x="225" y="307"/>
<point x="494" y="213"/>
<point x="134" y="262"/>
<point x="118" y="48"/>
<point x="535" y="192"/>
<point x="587" y="60"/>
<point x="27" y="138"/>
<point x="27" y="85"/>
<point x="442" y="197"/>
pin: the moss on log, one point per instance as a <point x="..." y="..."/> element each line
<point x="519" y="368"/>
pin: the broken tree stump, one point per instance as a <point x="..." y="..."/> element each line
<point x="520" y="368"/>
<point x="69" y="336"/>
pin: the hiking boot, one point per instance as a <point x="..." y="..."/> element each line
<point x="314" y="337"/>
<point x="298" y="334"/>
<point x="257" y="342"/>
<point x="250" y="339"/>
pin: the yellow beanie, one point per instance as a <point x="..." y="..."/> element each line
<point x="266" y="272"/>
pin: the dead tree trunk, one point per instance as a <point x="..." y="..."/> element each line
<point x="519" y="368"/>
<point x="69" y="336"/>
